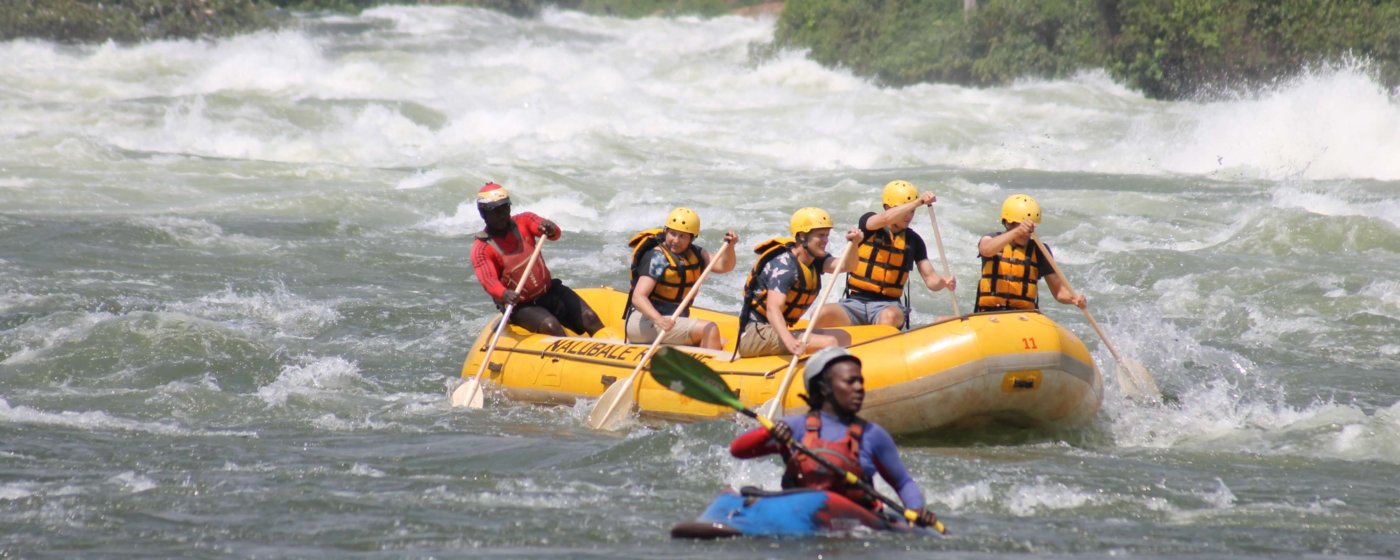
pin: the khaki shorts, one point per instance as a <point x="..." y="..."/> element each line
<point x="640" y="330"/>
<point x="761" y="339"/>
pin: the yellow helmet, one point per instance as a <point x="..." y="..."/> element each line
<point x="900" y="192"/>
<point x="685" y="220"/>
<point x="1019" y="208"/>
<point x="808" y="219"/>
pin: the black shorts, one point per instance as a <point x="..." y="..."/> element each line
<point x="561" y="301"/>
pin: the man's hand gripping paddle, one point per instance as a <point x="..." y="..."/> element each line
<point x="682" y="373"/>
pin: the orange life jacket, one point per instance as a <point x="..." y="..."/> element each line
<point x="883" y="268"/>
<point x="682" y="271"/>
<point x="511" y="274"/>
<point x="804" y="290"/>
<point x="1009" y="279"/>
<point x="805" y="472"/>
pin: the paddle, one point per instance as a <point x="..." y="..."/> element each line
<point x="682" y="373"/>
<point x="944" y="257"/>
<point x="469" y="393"/>
<point x="1132" y="377"/>
<point x="616" y="402"/>
<point x="774" y="407"/>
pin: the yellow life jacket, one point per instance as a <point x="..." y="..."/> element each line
<point x="1009" y="280"/>
<point x="681" y="271"/>
<point x="804" y="290"/>
<point x="883" y="268"/>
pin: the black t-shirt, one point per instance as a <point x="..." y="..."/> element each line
<point x="915" y="252"/>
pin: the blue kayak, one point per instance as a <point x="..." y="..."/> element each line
<point x="755" y="512"/>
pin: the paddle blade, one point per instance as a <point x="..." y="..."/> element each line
<point x="1146" y="386"/>
<point x="682" y="373"/>
<point x="468" y="394"/>
<point x="771" y="410"/>
<point x="613" y="406"/>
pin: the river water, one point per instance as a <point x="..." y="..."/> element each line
<point x="234" y="276"/>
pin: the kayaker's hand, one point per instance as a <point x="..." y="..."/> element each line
<point x="796" y="347"/>
<point x="731" y="238"/>
<point x="928" y="198"/>
<point x="511" y="297"/>
<point x="951" y="283"/>
<point x="781" y="432"/>
<point x="926" y="518"/>
<point x="854" y="235"/>
<point x="549" y="229"/>
<point x="665" y="324"/>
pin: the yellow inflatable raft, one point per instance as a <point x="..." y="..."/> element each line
<point x="1016" y="368"/>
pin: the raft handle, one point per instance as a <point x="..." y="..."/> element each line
<point x="608" y="380"/>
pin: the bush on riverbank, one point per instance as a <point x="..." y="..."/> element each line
<point x="1167" y="48"/>
<point x="127" y="20"/>
<point x="1175" y="48"/>
<point x="90" y="21"/>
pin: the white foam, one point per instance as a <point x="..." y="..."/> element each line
<point x="134" y="483"/>
<point x="286" y="313"/>
<point x="420" y="179"/>
<point x="323" y="375"/>
<point x="99" y="420"/>
<point x="12" y="491"/>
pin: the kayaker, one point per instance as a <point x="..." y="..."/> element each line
<point x="665" y="264"/>
<point x="1012" y="265"/>
<point x="784" y="283"/>
<point x="889" y="252"/>
<point x="542" y="304"/>
<point x="835" y="394"/>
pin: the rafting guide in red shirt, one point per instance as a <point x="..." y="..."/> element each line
<point x="543" y="304"/>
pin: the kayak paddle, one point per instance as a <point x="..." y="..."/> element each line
<point x="682" y="373"/>
<point x="616" y="403"/>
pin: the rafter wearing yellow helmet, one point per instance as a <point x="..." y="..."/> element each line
<point x="1012" y="266"/>
<point x="785" y="282"/>
<point x="890" y="251"/>
<point x="666" y="264"/>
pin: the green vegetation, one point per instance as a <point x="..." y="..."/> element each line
<point x="127" y="20"/>
<point x="1169" y="49"/>
<point x="85" y="21"/>
<point x="1166" y="48"/>
<point x="1175" y="48"/>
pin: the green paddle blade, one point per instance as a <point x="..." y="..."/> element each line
<point x="682" y="373"/>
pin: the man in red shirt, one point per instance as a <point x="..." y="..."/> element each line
<point x="542" y="304"/>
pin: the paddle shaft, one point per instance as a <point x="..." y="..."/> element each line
<point x="937" y="237"/>
<point x="806" y="335"/>
<point x="1065" y="279"/>
<point x="850" y="477"/>
<point x="505" y="318"/>
<point x="689" y="297"/>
